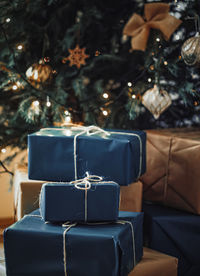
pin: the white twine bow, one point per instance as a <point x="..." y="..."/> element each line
<point x="87" y="181"/>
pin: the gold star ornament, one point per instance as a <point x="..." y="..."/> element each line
<point x="77" y="57"/>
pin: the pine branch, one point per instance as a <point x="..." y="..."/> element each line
<point x="5" y="169"/>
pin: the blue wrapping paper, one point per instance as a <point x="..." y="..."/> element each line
<point x="35" y="248"/>
<point x="118" y="157"/>
<point x="175" y="233"/>
<point x="66" y="202"/>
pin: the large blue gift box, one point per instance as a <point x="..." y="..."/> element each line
<point x="33" y="247"/>
<point x="80" y="202"/>
<point x="66" y="154"/>
<point x="175" y="233"/>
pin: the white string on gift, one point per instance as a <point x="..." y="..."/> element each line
<point x="69" y="225"/>
<point x="78" y="184"/>
<point x="93" y="130"/>
<point x="88" y="180"/>
<point x="133" y="237"/>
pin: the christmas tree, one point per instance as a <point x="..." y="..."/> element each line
<point x="74" y="62"/>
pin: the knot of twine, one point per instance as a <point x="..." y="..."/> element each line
<point x="87" y="181"/>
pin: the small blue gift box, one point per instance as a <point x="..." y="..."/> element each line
<point x="175" y="233"/>
<point x="33" y="247"/>
<point x="80" y="202"/>
<point x="66" y="154"/>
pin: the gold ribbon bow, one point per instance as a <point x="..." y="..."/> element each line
<point x="156" y="17"/>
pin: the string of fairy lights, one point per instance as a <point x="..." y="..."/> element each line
<point x="35" y="107"/>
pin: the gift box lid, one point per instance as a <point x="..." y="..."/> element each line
<point x="66" y="154"/>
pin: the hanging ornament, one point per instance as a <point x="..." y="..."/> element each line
<point x="97" y="53"/>
<point x="156" y="101"/>
<point x="157" y="17"/>
<point x="39" y="74"/>
<point x="77" y="57"/>
<point x="190" y="50"/>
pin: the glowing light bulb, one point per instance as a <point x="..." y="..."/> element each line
<point x="3" y="150"/>
<point x="105" y="95"/>
<point x="133" y="96"/>
<point x="19" y="47"/>
<point x="35" y="75"/>
<point x="158" y="39"/>
<point x="8" y="20"/>
<point x="149" y="80"/>
<point x="48" y="104"/>
<point x="165" y="62"/>
<point x="14" y="87"/>
<point x="105" y="112"/>
<point x="129" y="84"/>
<point x="67" y="113"/>
<point x="29" y="72"/>
<point x="35" y="103"/>
<point x="177" y="37"/>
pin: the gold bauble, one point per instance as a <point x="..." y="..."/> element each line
<point x="39" y="74"/>
<point x="190" y="50"/>
<point x="156" y="101"/>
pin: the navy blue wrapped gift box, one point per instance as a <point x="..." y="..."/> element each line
<point x="62" y="154"/>
<point x="33" y="247"/>
<point x="175" y="233"/>
<point x="79" y="203"/>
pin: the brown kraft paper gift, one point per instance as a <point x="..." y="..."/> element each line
<point x="131" y="197"/>
<point x="26" y="193"/>
<point x="155" y="263"/>
<point x="173" y="171"/>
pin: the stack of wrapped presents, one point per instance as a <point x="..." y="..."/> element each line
<point x="114" y="203"/>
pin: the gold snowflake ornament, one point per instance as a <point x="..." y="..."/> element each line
<point x="77" y="57"/>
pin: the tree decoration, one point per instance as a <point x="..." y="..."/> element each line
<point x="157" y="17"/>
<point x="156" y="101"/>
<point x="39" y="74"/>
<point x="77" y="57"/>
<point x="190" y="50"/>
